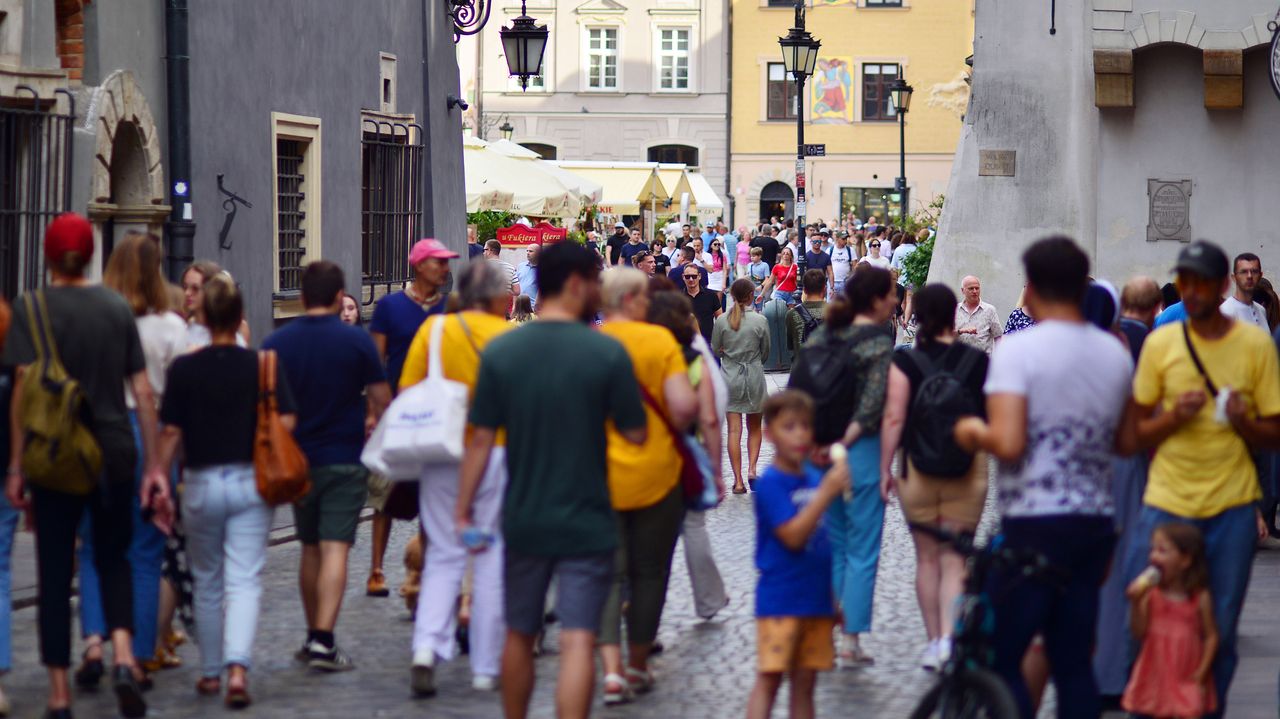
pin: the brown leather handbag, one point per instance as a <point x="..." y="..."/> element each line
<point x="278" y="462"/>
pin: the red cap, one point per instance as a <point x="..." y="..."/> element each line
<point x="68" y="232"/>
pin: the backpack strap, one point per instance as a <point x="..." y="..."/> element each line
<point x="51" y="345"/>
<point x="918" y="358"/>
<point x="34" y="328"/>
<point x="1186" y="335"/>
<point x="804" y="313"/>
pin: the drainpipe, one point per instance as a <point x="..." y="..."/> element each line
<point x="181" y="229"/>
<point x="728" y="127"/>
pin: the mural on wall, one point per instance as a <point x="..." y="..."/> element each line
<point x="832" y="100"/>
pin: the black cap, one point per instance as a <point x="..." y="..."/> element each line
<point x="1205" y="259"/>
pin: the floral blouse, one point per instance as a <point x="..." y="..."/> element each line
<point x="1018" y="320"/>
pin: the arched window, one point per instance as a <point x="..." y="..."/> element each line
<point x="548" y="152"/>
<point x="776" y="200"/>
<point x="674" y="153"/>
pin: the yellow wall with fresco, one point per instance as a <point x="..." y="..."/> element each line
<point x="929" y="38"/>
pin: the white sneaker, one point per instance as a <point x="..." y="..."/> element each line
<point x="484" y="683"/>
<point x="929" y="657"/>
<point x="944" y="650"/>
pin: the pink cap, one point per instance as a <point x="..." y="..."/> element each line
<point x="428" y="248"/>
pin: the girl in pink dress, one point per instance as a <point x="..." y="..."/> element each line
<point x="1172" y="615"/>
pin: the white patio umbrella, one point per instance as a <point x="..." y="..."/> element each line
<point x="496" y="181"/>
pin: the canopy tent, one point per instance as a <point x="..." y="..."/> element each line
<point x="497" y="181"/>
<point x="625" y="188"/>
<point x="708" y="203"/>
<point x="588" y="190"/>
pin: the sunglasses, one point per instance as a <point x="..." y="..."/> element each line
<point x="692" y="277"/>
<point x="875" y="244"/>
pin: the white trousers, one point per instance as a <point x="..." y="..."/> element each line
<point x="708" y="587"/>
<point x="445" y="564"/>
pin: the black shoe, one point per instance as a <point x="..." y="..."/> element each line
<point x="128" y="693"/>
<point x="463" y="635"/>
<point x="90" y="674"/>
<point x="63" y="713"/>
<point x="328" y="659"/>
<point x="655" y="648"/>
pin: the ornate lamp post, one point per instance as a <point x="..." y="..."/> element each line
<point x="799" y="57"/>
<point x="523" y="43"/>
<point x="900" y="95"/>
<point x="506" y="129"/>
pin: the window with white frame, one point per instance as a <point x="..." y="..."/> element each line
<point x="602" y="58"/>
<point x="296" y="203"/>
<point x="673" y="58"/>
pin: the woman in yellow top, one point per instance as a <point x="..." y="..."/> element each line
<point x="485" y="293"/>
<point x="643" y="484"/>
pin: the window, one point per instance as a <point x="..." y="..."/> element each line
<point x="35" y="187"/>
<point x="602" y="58"/>
<point x="864" y="202"/>
<point x="883" y="3"/>
<point x="296" y="217"/>
<point x="673" y="58"/>
<point x="390" y="199"/>
<point x="782" y="101"/>
<point x="387" y="74"/>
<point x="546" y="152"/>
<point x="675" y="154"/>
<point x="782" y="3"/>
<point x="877" y="80"/>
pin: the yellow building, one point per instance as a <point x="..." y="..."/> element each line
<point x="865" y="45"/>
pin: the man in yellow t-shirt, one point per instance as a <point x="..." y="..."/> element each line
<point x="643" y="481"/>
<point x="1208" y="391"/>
<point x="485" y="292"/>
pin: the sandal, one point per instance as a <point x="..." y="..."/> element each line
<point x="617" y="690"/>
<point x="739" y="489"/>
<point x="237" y="697"/>
<point x="209" y="686"/>
<point x="377" y="584"/>
<point x="641" y="680"/>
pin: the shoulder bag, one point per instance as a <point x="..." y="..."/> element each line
<point x="697" y="478"/>
<point x="278" y="462"/>
<point x="59" y="451"/>
<point x="427" y="423"/>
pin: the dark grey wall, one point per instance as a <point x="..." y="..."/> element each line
<point x="318" y="58"/>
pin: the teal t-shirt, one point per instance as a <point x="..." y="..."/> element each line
<point x="552" y="386"/>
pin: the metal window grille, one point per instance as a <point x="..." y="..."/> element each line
<point x="35" y="183"/>
<point x="291" y="235"/>
<point x="391" y="201"/>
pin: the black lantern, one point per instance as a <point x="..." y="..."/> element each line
<point x="900" y="94"/>
<point x="507" y="130"/>
<point x="799" y="52"/>
<point x="523" y="43"/>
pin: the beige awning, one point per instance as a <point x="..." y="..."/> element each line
<point x="498" y="181"/>
<point x="626" y="187"/>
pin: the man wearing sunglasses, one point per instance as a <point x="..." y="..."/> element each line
<point x="706" y="305"/>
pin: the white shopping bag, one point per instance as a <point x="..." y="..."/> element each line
<point x="426" y="424"/>
<point x="372" y="457"/>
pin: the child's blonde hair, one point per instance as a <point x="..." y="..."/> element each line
<point x="1188" y="540"/>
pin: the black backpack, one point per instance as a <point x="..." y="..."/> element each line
<point x="940" y="401"/>
<point x="824" y="371"/>
<point x="811" y="323"/>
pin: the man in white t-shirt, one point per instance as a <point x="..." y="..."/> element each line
<point x="1057" y="395"/>
<point x="1239" y="304"/>
<point x="843" y="260"/>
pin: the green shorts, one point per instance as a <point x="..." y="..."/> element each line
<point x="331" y="510"/>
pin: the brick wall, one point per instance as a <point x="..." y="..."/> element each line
<point x="70" y="16"/>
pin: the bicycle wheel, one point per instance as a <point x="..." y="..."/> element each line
<point x="970" y="694"/>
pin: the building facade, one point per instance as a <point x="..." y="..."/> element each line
<point x="1135" y="126"/>
<point x="338" y="144"/>
<point x="622" y="80"/>
<point x="866" y="46"/>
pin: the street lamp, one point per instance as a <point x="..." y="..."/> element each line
<point x="523" y="43"/>
<point x="900" y="96"/>
<point x="799" y="57"/>
<point x="506" y="129"/>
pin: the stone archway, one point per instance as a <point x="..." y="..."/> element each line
<point x="127" y="186"/>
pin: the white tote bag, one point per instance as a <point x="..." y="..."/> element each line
<point x="372" y="457"/>
<point x="427" y="422"/>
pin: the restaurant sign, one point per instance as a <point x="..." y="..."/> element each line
<point x="542" y="233"/>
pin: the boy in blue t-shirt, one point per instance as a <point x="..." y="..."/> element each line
<point x="795" y="613"/>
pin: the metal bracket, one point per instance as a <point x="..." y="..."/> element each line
<point x="229" y="205"/>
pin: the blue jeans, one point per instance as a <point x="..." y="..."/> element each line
<point x="787" y="297"/>
<point x="1065" y="611"/>
<point x="854" y="527"/>
<point x="227" y="525"/>
<point x="146" y="557"/>
<point x="1229" y="542"/>
<point x="8" y="526"/>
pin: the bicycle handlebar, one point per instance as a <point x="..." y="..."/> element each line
<point x="1027" y="562"/>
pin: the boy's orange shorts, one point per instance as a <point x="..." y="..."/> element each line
<point x="787" y="643"/>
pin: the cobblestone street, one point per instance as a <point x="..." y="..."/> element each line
<point x="705" y="672"/>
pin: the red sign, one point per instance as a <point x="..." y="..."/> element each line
<point x="540" y="234"/>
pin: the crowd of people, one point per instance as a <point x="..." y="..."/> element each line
<point x="1146" y="481"/>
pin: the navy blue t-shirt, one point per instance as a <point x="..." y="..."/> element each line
<point x="398" y="317"/>
<point x="791" y="584"/>
<point x="328" y="364"/>
<point x="629" y="250"/>
<point x="817" y="260"/>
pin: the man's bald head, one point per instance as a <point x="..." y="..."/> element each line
<point x="1141" y="300"/>
<point x="971" y="288"/>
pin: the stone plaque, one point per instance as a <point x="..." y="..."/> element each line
<point x="1169" y="210"/>
<point x="997" y="163"/>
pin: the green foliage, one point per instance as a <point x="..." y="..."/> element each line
<point x="916" y="265"/>
<point x="488" y="223"/>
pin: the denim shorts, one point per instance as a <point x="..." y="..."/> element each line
<point x="582" y="585"/>
<point x="331" y="510"/>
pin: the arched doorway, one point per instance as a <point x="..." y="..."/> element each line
<point x="776" y="199"/>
